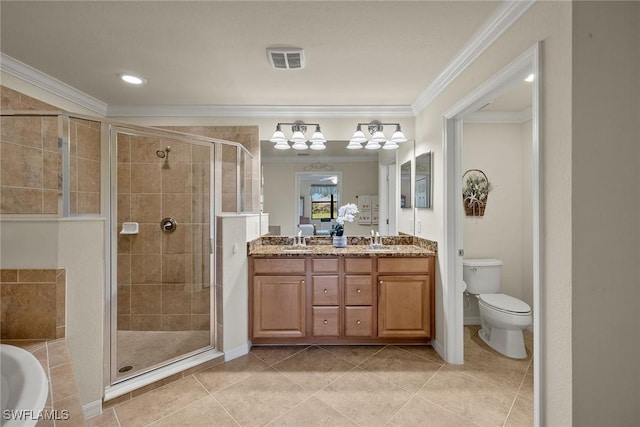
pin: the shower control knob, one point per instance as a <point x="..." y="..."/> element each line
<point x="168" y="225"/>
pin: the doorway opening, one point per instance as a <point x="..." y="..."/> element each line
<point x="453" y="249"/>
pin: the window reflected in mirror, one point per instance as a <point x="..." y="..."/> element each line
<point x="405" y="184"/>
<point x="324" y="201"/>
<point x="424" y="180"/>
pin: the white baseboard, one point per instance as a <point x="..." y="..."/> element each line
<point x="438" y="348"/>
<point x="234" y="353"/>
<point x="475" y="320"/>
<point x="92" y="409"/>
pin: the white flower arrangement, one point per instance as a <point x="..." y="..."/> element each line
<point x="346" y="213"/>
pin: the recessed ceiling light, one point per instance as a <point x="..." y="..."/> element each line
<point x="131" y="79"/>
<point x="529" y="78"/>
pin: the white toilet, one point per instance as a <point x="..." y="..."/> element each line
<point x="502" y="317"/>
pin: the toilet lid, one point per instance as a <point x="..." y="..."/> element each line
<point x="504" y="302"/>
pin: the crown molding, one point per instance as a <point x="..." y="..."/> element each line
<point x="52" y="85"/>
<point x="303" y="111"/>
<point x="502" y="18"/>
<point x="509" y="117"/>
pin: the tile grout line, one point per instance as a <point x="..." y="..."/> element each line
<point x="422" y="357"/>
<point x="517" y="394"/>
<point x="216" y="400"/>
<point x="116" y="415"/>
<point x="437" y="404"/>
<point x="180" y="409"/>
<point x="279" y="361"/>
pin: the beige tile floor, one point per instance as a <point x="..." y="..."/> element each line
<point x="342" y="386"/>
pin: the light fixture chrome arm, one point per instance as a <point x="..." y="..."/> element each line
<point x="299" y="128"/>
<point x="377" y="137"/>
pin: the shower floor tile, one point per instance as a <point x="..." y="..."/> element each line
<point x="143" y="349"/>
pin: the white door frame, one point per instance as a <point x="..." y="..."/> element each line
<point x="528" y="62"/>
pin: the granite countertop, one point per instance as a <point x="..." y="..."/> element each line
<point x="392" y="246"/>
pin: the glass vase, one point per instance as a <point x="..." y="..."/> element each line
<point x="340" y="241"/>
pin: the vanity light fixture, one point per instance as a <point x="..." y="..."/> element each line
<point x="299" y="128"/>
<point x="377" y="137"/>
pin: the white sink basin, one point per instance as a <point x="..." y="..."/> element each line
<point x="24" y="387"/>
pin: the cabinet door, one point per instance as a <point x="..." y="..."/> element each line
<point x="404" y="306"/>
<point x="278" y="306"/>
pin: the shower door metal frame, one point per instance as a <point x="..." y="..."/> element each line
<point x="114" y="386"/>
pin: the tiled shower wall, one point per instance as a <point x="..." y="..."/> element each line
<point x="247" y="136"/>
<point x="163" y="278"/>
<point x="32" y="304"/>
<point x="31" y="178"/>
<point x="84" y="176"/>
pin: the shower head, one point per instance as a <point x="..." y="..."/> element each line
<point x="163" y="153"/>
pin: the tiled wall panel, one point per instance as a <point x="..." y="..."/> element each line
<point x="32" y="304"/>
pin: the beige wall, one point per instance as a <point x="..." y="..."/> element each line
<point x="605" y="214"/>
<point x="81" y="253"/>
<point x="549" y="22"/>
<point x="503" y="153"/>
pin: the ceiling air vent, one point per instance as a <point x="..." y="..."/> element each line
<point x="286" y="58"/>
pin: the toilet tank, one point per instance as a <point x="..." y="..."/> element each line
<point x="482" y="275"/>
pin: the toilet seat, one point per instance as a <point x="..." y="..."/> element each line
<point x="505" y="304"/>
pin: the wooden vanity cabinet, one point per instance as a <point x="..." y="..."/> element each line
<point x="341" y="300"/>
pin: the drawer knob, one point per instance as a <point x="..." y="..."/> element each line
<point x="358" y="322"/>
<point x="326" y="291"/>
<point x="325" y="321"/>
<point x="358" y="290"/>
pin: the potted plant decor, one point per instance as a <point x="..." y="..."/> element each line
<point x="475" y="192"/>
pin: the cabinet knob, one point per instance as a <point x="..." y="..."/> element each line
<point x="358" y="322"/>
<point x="381" y="282"/>
<point x="325" y="291"/>
<point x="302" y="282"/>
<point x="325" y="321"/>
<point x="358" y="290"/>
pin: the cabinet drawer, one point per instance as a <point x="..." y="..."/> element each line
<point x="325" y="322"/>
<point x="358" y="265"/>
<point x="324" y="265"/>
<point x="404" y="265"/>
<point x="358" y="321"/>
<point x="358" y="290"/>
<point x="279" y="265"/>
<point x="325" y="290"/>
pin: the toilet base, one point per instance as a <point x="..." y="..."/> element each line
<point x="504" y="341"/>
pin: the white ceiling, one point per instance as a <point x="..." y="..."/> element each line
<point x="380" y="53"/>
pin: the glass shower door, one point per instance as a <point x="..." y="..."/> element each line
<point x="163" y="266"/>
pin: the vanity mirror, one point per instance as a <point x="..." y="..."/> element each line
<point x="423" y="180"/>
<point x="405" y="184"/>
